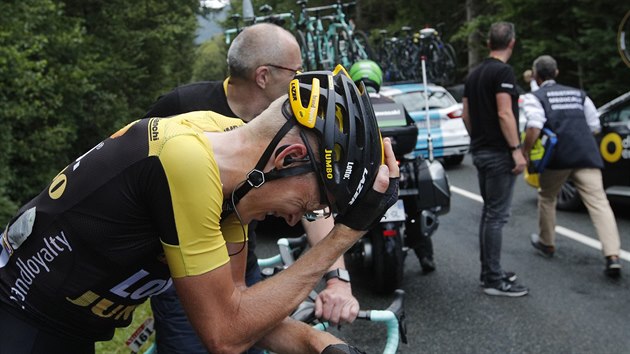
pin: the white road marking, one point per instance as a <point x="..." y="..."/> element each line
<point x="576" y="236"/>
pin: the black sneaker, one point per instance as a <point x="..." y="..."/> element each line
<point x="509" y="277"/>
<point x="613" y="267"/>
<point x="427" y="264"/>
<point x="543" y="249"/>
<point x="505" y="288"/>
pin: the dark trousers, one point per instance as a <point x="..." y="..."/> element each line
<point x="496" y="185"/>
<point x="20" y="337"/>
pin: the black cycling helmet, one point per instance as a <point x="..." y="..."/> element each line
<point x="350" y="147"/>
<point x="350" y="143"/>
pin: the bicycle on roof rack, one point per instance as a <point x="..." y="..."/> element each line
<point x="400" y="56"/>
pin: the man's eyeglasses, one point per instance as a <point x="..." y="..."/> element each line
<point x="294" y="71"/>
<point x="317" y="214"/>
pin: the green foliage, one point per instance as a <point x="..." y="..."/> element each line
<point x="72" y="72"/>
<point x="35" y="67"/>
<point x="210" y="61"/>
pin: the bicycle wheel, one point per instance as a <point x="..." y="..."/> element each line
<point x="306" y="48"/>
<point x="449" y="65"/>
<point x="361" y="46"/>
<point x="623" y="39"/>
<point x="434" y="64"/>
<point x="343" y="49"/>
<point x="387" y="258"/>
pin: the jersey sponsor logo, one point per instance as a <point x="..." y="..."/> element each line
<point x="31" y="267"/>
<point x="58" y="186"/>
<point x="135" y="287"/>
<point x="359" y="187"/>
<point x="507" y="85"/>
<point x="232" y="127"/>
<point x="154" y="133"/>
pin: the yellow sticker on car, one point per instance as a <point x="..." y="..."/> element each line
<point x="614" y="140"/>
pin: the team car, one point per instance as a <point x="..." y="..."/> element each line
<point x="614" y="145"/>
<point x="448" y="134"/>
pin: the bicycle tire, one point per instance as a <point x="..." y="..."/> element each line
<point x="623" y="39"/>
<point x="308" y="57"/>
<point x="388" y="260"/>
<point x="361" y="46"/>
<point x="343" y="48"/>
<point x="450" y="64"/>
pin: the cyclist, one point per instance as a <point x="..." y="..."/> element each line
<point x="368" y="72"/>
<point x="262" y="60"/>
<point x="146" y="205"/>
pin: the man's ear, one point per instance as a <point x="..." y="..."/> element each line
<point x="262" y="76"/>
<point x="290" y="154"/>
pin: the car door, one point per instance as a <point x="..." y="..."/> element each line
<point x="614" y="145"/>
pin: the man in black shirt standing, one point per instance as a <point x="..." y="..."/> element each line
<point x="491" y="118"/>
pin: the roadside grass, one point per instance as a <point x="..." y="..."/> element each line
<point x="117" y="344"/>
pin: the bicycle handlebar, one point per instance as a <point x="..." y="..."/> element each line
<point x="393" y="317"/>
<point x="396" y="309"/>
<point x="286" y="246"/>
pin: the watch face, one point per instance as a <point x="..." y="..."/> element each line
<point x="343" y="274"/>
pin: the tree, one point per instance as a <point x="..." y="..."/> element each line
<point x="72" y="72"/>
<point x="210" y="61"/>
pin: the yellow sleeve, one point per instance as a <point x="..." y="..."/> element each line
<point x="196" y="193"/>
<point x="233" y="230"/>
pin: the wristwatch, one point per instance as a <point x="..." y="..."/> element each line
<point x="338" y="273"/>
<point x="514" y="148"/>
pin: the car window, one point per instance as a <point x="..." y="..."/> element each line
<point x="414" y="101"/>
<point x="617" y="115"/>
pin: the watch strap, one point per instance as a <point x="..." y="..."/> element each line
<point x="339" y="273"/>
<point x="514" y="148"/>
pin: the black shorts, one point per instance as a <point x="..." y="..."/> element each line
<point x="21" y="337"/>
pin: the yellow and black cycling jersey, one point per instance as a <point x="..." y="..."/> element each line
<point x="96" y="243"/>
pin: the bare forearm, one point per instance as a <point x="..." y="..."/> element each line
<point x="292" y="336"/>
<point x="507" y="122"/>
<point x="317" y="231"/>
<point x="273" y="299"/>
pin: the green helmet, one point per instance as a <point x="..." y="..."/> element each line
<point x="367" y="71"/>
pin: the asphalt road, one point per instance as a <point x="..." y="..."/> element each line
<point x="572" y="307"/>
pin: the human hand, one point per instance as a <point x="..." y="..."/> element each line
<point x="336" y="304"/>
<point x="520" y="162"/>
<point x="383" y="194"/>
